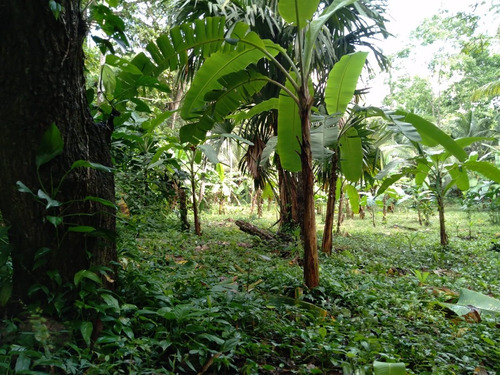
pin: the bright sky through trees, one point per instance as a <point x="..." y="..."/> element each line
<point x="405" y="16"/>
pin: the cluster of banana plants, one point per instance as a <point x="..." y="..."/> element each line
<point x="440" y="163"/>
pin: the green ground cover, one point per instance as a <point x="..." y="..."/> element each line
<point x="229" y="303"/>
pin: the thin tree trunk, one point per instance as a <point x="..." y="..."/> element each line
<point x="327" y="244"/>
<point x="258" y="198"/>
<point x="384" y="209"/>
<point x="181" y="193"/>
<point x="253" y="202"/>
<point x="42" y="83"/>
<point x="442" y="228"/>
<point x="289" y="217"/>
<point x="197" y="226"/>
<point x="174" y="106"/>
<point x="306" y="204"/>
<point x="341" y="208"/>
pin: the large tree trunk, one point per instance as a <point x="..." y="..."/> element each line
<point x="306" y="204"/>
<point x="327" y="244"/>
<point x="42" y="82"/>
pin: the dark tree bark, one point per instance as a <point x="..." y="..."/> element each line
<point x="327" y="244"/>
<point x="196" y="217"/>
<point x="42" y="82"/>
<point x="253" y="230"/>
<point x="306" y="200"/>
<point x="287" y="198"/>
<point x="181" y="193"/>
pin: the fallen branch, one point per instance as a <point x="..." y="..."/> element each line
<point x="256" y="231"/>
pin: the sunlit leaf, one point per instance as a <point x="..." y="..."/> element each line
<point x="351" y="155"/>
<point x="342" y="81"/>
<point x="289" y="131"/>
<point x="297" y="12"/>
<point x="383" y="368"/>
<point x="51" y="146"/>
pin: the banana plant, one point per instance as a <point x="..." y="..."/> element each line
<point x="226" y="79"/>
<point x="443" y="164"/>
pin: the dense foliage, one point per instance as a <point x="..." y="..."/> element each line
<point x="180" y="309"/>
<point x="196" y="148"/>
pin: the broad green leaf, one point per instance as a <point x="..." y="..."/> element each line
<point x="459" y="176"/>
<point x="388" y="182"/>
<point x="351" y="155"/>
<point x="88" y="164"/>
<point x="383" y="368"/>
<point x="218" y="65"/>
<point x="86" y="329"/>
<point x="297" y="12"/>
<point x="470" y="300"/>
<point x="210" y="153"/>
<point x="338" y="188"/>
<point x="289" y="131"/>
<point x="267" y="192"/>
<point x="144" y="64"/>
<point x="211" y="338"/>
<point x="264" y="106"/>
<point x="108" y="81"/>
<point x="87" y="275"/>
<point x="220" y="171"/>
<point x="388" y="169"/>
<point x="318" y="139"/>
<point x="433" y="136"/>
<point x="102" y="201"/>
<point x="316" y="26"/>
<point x="328" y="135"/>
<point x="124" y="64"/>
<point x="111" y="301"/>
<point x="54" y="220"/>
<point x="421" y="172"/>
<point x="407" y="129"/>
<point x="353" y="195"/>
<point x="51" y="146"/>
<point x="235" y="88"/>
<point x="342" y="82"/>
<point x="484" y="168"/>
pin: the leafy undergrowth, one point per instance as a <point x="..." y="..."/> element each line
<point x="227" y="303"/>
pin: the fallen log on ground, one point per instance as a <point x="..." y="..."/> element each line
<point x="256" y="231"/>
